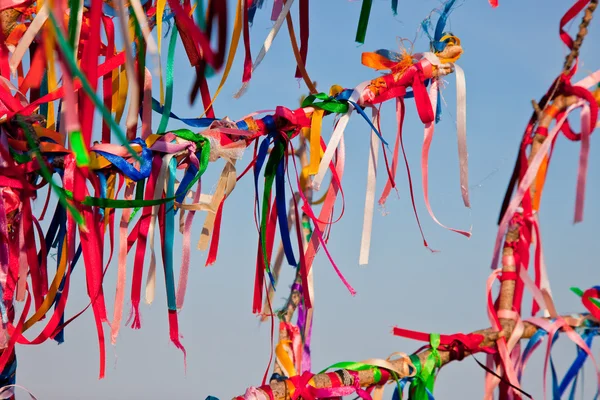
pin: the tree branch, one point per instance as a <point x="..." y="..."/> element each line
<point x="281" y="390"/>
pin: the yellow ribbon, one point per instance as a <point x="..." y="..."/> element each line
<point x="315" y="141"/>
<point x="122" y="96"/>
<point x="284" y="358"/>
<point x="160" y="10"/>
<point x="452" y="41"/>
<point x="110" y="194"/>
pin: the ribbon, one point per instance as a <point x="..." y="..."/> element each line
<point x="361" y="30"/>
<point x="370" y="194"/>
<point x="266" y="45"/>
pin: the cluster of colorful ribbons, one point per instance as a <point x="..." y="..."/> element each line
<point x="60" y="65"/>
<point x="506" y="358"/>
<point x="417" y="375"/>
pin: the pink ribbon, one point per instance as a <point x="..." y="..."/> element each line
<point x="428" y="137"/>
<point x="552" y="328"/>
<point x="115" y="326"/>
<point x="185" y="258"/>
<point x="586" y="130"/>
<point x="277" y="7"/>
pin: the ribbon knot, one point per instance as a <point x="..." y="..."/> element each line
<point x="328" y="103"/>
<point x="398" y="63"/>
<point x="424" y="71"/>
<point x="301" y="386"/>
<point x="125" y="166"/>
<point x="584" y="94"/>
<point x="363" y="394"/>
<point x="289" y="120"/>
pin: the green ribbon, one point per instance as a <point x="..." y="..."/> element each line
<point x="270" y="170"/>
<point x="69" y="58"/>
<point x="74" y="6"/>
<point x="82" y="157"/>
<point x="306" y="225"/>
<point x="417" y="363"/>
<point x="356" y="366"/>
<point x="579" y="293"/>
<point x="169" y="77"/>
<point x="139" y="195"/>
<point x="18" y="157"/>
<point x="425" y="377"/>
<point x="365" y="12"/>
<point x="328" y="103"/>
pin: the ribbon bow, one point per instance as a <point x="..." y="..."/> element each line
<point x="302" y="389"/>
<point x="288" y="120"/>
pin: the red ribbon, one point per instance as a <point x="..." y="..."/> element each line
<point x="593" y="293"/>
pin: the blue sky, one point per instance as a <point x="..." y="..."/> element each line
<point x="512" y="54"/>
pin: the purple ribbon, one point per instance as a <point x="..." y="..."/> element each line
<point x="302" y="320"/>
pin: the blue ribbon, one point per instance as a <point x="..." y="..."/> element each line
<point x="535" y="339"/>
<point x="256" y="4"/>
<point x="9" y="374"/>
<point x="441" y="24"/>
<point x="169" y="236"/>
<point x="194" y="122"/>
<point x="282" y="213"/>
<point x="435" y="42"/>
<point x="399" y="389"/>
<point x="190" y="173"/>
<point x="574" y="369"/>
<point x="438" y="110"/>
<point x="127" y="168"/>
<point x="362" y="113"/>
<point x="260" y="159"/>
<point x="106" y="9"/>
<point x="555" y="392"/>
<point x="389" y="54"/>
<point x="103" y="189"/>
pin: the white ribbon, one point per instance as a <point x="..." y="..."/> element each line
<point x="334" y="141"/>
<point x="8" y="391"/>
<point x="461" y="132"/>
<point x="27" y="38"/>
<point x="365" y="244"/>
<point x="267" y="44"/>
<point x="134" y="100"/>
<point x="461" y="122"/>
<point x="161" y="183"/>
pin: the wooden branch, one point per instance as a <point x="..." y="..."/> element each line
<point x="366" y="378"/>
<point x="585" y="22"/>
<point x="507" y="287"/>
